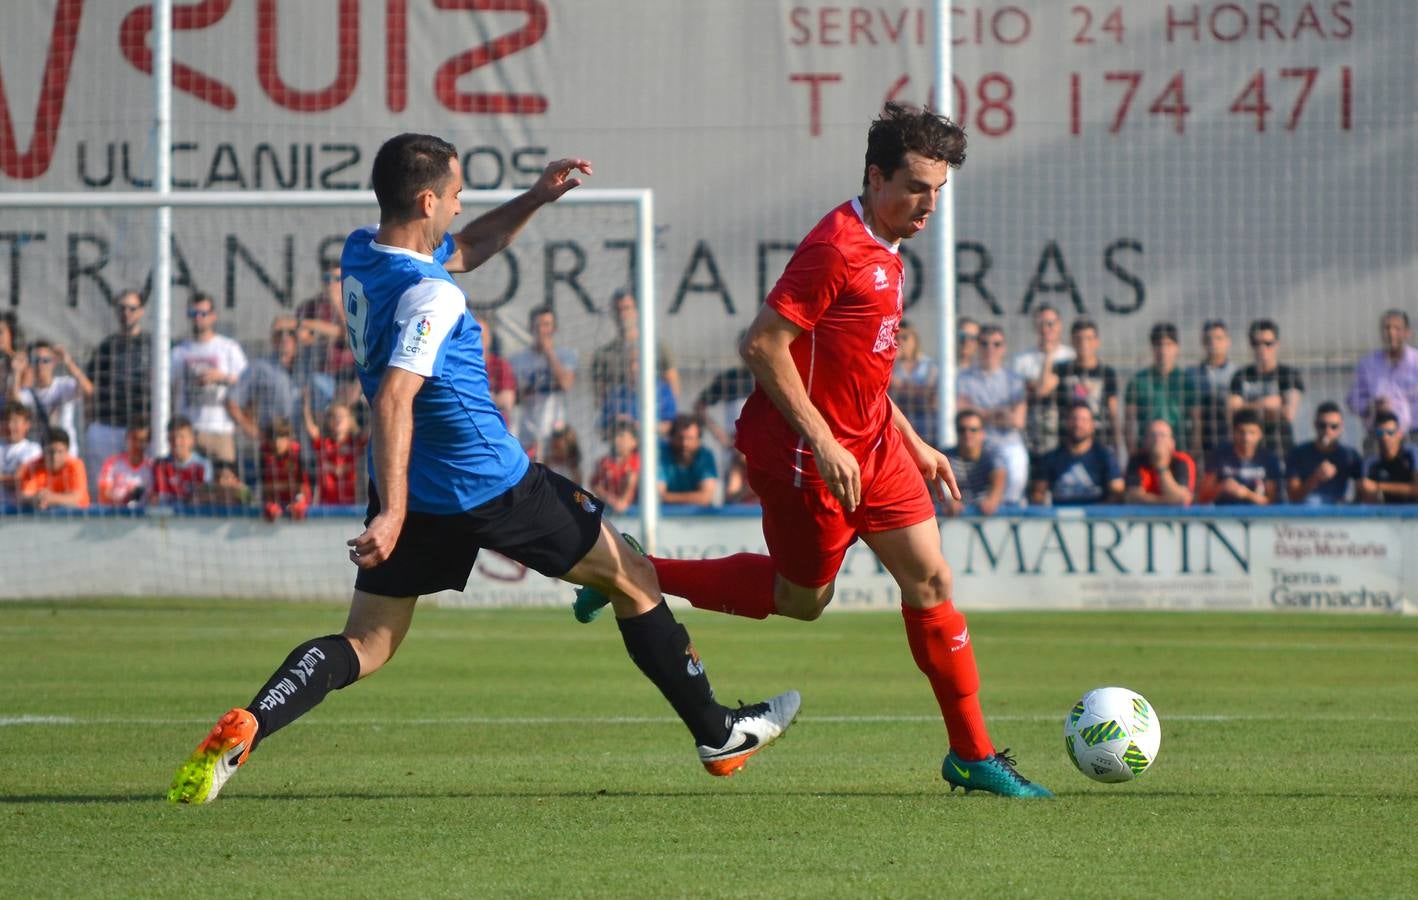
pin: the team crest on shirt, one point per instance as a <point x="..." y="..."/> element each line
<point x="881" y="281"/>
<point x="585" y="500"/>
<point x="424" y="327"/>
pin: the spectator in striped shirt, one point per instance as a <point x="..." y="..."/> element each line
<point x="978" y="469"/>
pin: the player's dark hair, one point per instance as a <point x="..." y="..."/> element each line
<point x="1080" y="403"/>
<point x="682" y="422"/>
<point x="1245" y="417"/>
<point x="1387" y="415"/>
<point x="902" y="129"/>
<point x="1395" y="314"/>
<point x="201" y="297"/>
<point x="178" y="422"/>
<point x="1211" y="325"/>
<point x="546" y="309"/>
<point x="1328" y="406"/>
<point x="138" y="423"/>
<point x="406" y="166"/>
<point x="1260" y="325"/>
<point x="987" y="330"/>
<point x="58" y="436"/>
<point x="40" y="344"/>
<point x="1083" y="323"/>
<point x="18" y="409"/>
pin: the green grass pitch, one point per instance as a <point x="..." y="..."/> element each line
<point x="516" y="753"/>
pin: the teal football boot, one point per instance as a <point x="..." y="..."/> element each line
<point x="995" y="774"/>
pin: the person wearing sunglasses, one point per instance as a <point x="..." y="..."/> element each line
<point x="999" y="395"/>
<point x="1391" y="474"/>
<point x="979" y="471"/>
<point x="120" y="369"/>
<point x="53" y="397"/>
<point x="1271" y="390"/>
<point x="204" y="369"/>
<point x="1319" y="472"/>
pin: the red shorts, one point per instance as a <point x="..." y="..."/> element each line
<point x="807" y="531"/>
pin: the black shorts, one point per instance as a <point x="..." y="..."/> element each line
<point x="545" y="522"/>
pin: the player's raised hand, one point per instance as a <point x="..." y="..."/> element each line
<point x="840" y="472"/>
<point x="376" y="543"/>
<point x="556" y="178"/>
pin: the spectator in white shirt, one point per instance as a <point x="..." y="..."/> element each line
<point x="204" y="368"/>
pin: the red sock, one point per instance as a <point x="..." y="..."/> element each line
<point x="740" y="585"/>
<point x="940" y="642"/>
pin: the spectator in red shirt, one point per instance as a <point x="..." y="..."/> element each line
<point x="617" y="476"/>
<point x="338" y="446"/>
<point x="179" y="476"/>
<point x="501" y="379"/>
<point x="285" y="487"/>
<point x="127" y="477"/>
<point x="56" y="479"/>
<point x="1159" y="473"/>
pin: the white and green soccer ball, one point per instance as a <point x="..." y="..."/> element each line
<point x="1112" y="734"/>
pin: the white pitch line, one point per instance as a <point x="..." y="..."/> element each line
<point x="44" y="720"/>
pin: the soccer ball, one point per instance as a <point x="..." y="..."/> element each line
<point x="1112" y="734"/>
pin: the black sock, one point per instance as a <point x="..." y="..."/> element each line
<point x="660" y="646"/>
<point x="312" y="670"/>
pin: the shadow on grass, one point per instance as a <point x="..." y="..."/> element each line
<point x="708" y="794"/>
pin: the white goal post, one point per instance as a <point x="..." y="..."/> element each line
<point x="642" y="201"/>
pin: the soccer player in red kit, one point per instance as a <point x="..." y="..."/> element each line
<point x="832" y="457"/>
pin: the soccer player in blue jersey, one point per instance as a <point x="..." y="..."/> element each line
<point x="448" y="479"/>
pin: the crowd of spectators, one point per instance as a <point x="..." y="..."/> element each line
<point x="1053" y="424"/>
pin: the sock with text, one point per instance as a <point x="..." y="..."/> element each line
<point x="661" y="647"/>
<point x="740" y="585"/>
<point x="312" y="670"/>
<point x="940" y="643"/>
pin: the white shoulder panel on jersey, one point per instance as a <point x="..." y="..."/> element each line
<point x="425" y="314"/>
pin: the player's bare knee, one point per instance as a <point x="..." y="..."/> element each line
<point x="372" y="653"/>
<point x="804" y="604"/>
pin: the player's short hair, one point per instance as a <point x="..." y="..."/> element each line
<point x="177" y="423"/>
<point x="1327" y="407"/>
<point x="1382" y="418"/>
<point x="18" y="409"/>
<point x="1044" y="307"/>
<point x="201" y="297"/>
<point x="1245" y="417"/>
<point x="1083" y="323"/>
<point x="682" y="422"/>
<point x="405" y="166"/>
<point x="1260" y="325"/>
<point x="1211" y="325"/>
<point x="137" y="423"/>
<point x="1399" y="314"/>
<point x="536" y="312"/>
<point x="987" y="330"/>
<point x="901" y="129"/>
<point x="58" y="436"/>
<point x="625" y="425"/>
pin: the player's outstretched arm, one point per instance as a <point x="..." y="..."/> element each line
<point x="765" y="349"/>
<point x="393" y="435"/>
<point x="491" y="232"/>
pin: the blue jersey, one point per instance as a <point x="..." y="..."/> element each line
<point x="404" y="310"/>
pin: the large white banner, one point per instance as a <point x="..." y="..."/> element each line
<point x="1319" y="564"/>
<point x="1135" y="162"/>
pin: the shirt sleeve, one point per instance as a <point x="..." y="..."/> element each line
<point x="815" y="276"/>
<point x="704" y="466"/>
<point x="424" y="317"/>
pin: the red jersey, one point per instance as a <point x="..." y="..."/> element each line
<point x="612" y="475"/>
<point x="337" y="469"/>
<point x="283" y="477"/>
<point x="843" y="287"/>
<point x="175" y="482"/>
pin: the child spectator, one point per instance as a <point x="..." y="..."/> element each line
<point x="285" y="487"/>
<point x="225" y="490"/>
<point x="617" y="476"/>
<point x="1242" y="472"/>
<point x="564" y="453"/>
<point x="337" y="450"/>
<point x="126" y="478"/>
<point x="56" y="479"/>
<point x="178" y="478"/>
<point x="16" y="450"/>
